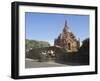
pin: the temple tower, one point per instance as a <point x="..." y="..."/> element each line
<point x="67" y="40"/>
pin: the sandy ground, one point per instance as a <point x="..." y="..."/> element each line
<point x="30" y="63"/>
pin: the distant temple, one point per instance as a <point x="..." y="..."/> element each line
<point x="67" y="40"/>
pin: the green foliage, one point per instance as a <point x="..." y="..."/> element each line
<point x="35" y="44"/>
<point x="84" y="52"/>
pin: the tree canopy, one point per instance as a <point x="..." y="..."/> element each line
<point x="35" y="44"/>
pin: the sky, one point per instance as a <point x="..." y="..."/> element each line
<point x="47" y="26"/>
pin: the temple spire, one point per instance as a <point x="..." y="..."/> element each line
<point x="65" y="23"/>
<point x="65" y="27"/>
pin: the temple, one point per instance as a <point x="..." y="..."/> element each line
<point x="67" y="40"/>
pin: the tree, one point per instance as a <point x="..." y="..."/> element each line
<point x="35" y="44"/>
<point x="84" y="52"/>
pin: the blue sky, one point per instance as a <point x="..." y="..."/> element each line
<point x="47" y="26"/>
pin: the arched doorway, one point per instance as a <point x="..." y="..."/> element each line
<point x="69" y="46"/>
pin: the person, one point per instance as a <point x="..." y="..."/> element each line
<point x="50" y="55"/>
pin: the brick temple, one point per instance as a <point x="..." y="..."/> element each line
<point x="67" y="40"/>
